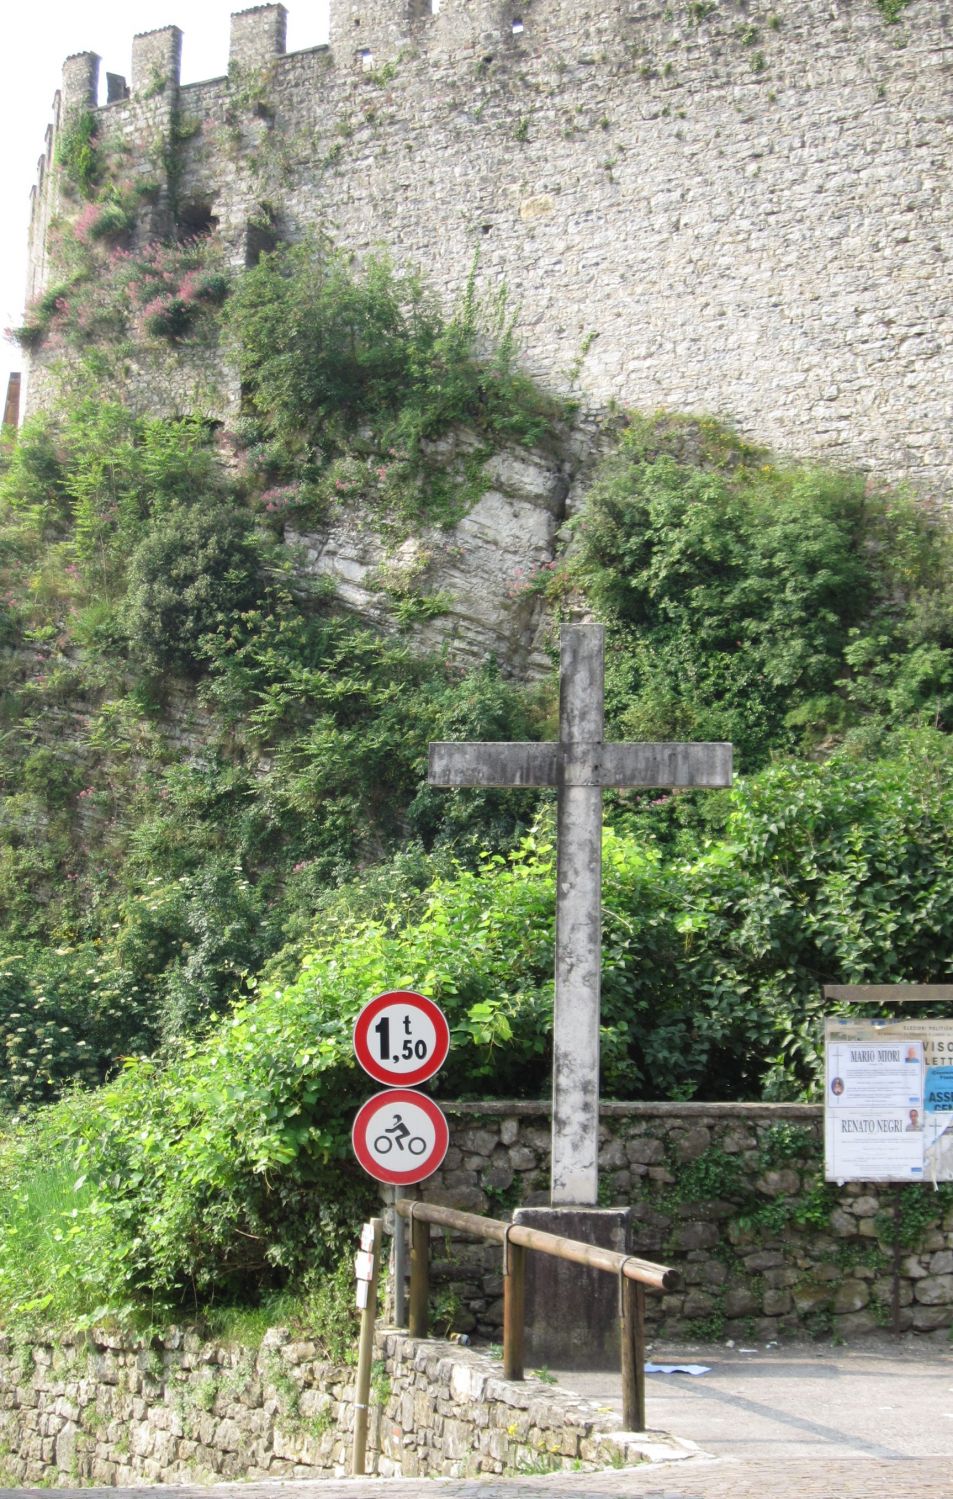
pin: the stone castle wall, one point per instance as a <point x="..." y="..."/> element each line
<point x="735" y="208"/>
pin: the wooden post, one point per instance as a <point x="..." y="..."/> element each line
<point x="658" y="1277"/>
<point x="419" y="1277"/>
<point x="514" y="1300"/>
<point x="365" y="1359"/>
<point x="632" y="1329"/>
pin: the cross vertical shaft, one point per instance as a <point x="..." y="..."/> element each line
<point x="579" y="766"/>
<point x="575" y="1143"/>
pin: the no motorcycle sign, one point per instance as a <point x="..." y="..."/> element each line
<point x="400" y="1136"/>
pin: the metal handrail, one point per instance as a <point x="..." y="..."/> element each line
<point x="635" y="1275"/>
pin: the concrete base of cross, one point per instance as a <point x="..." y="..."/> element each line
<point x="572" y="1314"/>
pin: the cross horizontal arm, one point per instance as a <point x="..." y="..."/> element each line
<point x="461" y="764"/>
<point x="698" y="764"/>
<point x="603" y="765"/>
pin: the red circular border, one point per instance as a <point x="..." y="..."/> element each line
<point x="377" y="1070"/>
<point x="422" y="1169"/>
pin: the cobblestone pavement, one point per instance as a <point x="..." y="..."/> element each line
<point x="696" y="1478"/>
<point x="864" y="1423"/>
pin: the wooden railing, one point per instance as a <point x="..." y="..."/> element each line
<point x="635" y="1275"/>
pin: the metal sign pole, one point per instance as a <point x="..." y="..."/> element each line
<point x="400" y="1264"/>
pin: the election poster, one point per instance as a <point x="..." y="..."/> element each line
<point x="888" y="1096"/>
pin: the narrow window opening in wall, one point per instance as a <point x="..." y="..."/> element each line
<point x="196" y="220"/>
<point x="518" y="27"/>
<point x="116" y="88"/>
<point x="421" y="10"/>
<point x="486" y="228"/>
<point x="260" y="239"/>
<point x="366" y="59"/>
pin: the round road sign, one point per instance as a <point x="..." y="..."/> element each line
<point x="400" y="1136"/>
<point x="401" y="1038"/>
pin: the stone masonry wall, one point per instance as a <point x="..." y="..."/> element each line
<point x="737" y="208"/>
<point x="100" y="1411"/>
<point x="731" y="1195"/>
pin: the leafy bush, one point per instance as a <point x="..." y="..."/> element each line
<point x="196" y="567"/>
<point x="41" y="313"/>
<point x="112" y="222"/>
<point x="112" y="294"/>
<point x="79" y="157"/>
<point x="324" y="351"/>
<point x="226" y="1171"/>
<point x="766" y="606"/>
<point x="32" y="479"/>
<point x="97" y="473"/>
<point x="65" y="1016"/>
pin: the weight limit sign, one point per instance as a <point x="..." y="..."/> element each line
<point x="400" y="1137"/>
<point x="401" y="1038"/>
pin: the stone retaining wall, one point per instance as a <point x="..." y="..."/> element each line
<point x="733" y="1196"/>
<point x="96" y="1410"/>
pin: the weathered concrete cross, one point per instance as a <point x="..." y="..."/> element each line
<point x="579" y="766"/>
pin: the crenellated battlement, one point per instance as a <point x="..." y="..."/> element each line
<point x="156" y="62"/>
<point x="80" y="83"/>
<point x="257" y="36"/>
<point x="739" y="206"/>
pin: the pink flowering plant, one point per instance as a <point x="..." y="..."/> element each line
<point x="164" y="291"/>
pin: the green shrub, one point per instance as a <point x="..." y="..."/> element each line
<point x="32" y="477"/>
<point x="172" y="319"/>
<point x="772" y="607"/>
<point x="196" y="567"/>
<point x="40" y="314"/>
<point x="66" y="1014"/>
<point x="891" y="10"/>
<point x="98" y="473"/>
<point x="78" y="156"/>
<point x="335" y="363"/>
<point x="112" y="223"/>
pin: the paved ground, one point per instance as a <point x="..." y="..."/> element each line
<point x="802" y="1402"/>
<point x="807" y="1422"/>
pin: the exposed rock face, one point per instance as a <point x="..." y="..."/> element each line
<point x="481" y="572"/>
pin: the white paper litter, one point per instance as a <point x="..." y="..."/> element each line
<point x="677" y="1369"/>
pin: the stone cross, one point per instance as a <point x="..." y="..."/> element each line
<point x="579" y="766"/>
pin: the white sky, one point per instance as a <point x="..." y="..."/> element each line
<point x="36" y="37"/>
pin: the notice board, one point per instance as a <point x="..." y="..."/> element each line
<point x="888" y="1100"/>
